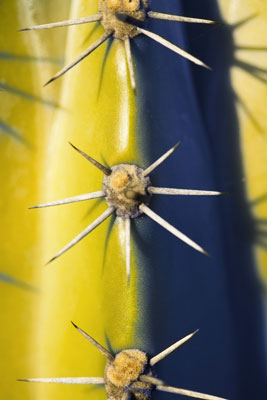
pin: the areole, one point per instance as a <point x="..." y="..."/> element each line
<point x="129" y="372"/>
<point x="127" y="191"/>
<point x="120" y="20"/>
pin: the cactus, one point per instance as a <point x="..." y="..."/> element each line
<point x="219" y="119"/>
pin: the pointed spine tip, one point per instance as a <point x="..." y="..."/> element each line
<point x="207" y="67"/>
<point x="214" y="22"/>
<point x="75" y="326"/>
<point x="72" y="145"/>
<point x="48" y="82"/>
<point x="50" y="261"/>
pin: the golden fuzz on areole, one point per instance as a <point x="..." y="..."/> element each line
<point x="126" y="367"/>
<point x="125" y="189"/>
<point x="113" y="13"/>
<point x="125" y="5"/>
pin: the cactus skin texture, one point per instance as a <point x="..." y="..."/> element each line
<point x="173" y="290"/>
